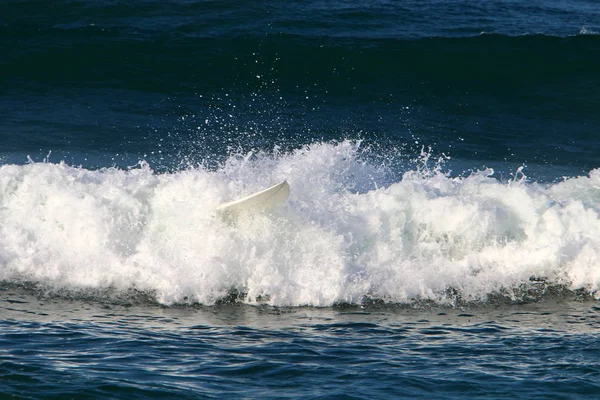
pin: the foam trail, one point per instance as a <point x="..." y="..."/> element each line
<point x="342" y="237"/>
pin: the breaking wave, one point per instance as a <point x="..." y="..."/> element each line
<point x="349" y="233"/>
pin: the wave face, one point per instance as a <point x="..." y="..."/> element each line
<point x="491" y="97"/>
<point x="146" y="61"/>
<point x="346" y="235"/>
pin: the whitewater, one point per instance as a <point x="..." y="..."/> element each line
<point x="351" y="232"/>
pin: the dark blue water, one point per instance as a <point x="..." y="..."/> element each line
<point x="82" y="350"/>
<point x="442" y="234"/>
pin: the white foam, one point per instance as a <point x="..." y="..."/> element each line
<point x="586" y="31"/>
<point x="340" y="237"/>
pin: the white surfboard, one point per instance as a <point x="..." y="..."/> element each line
<point x="268" y="199"/>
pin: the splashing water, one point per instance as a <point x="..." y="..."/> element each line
<point x="345" y="235"/>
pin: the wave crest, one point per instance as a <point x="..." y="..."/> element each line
<point x="349" y="233"/>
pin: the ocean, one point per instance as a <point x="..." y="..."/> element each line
<point x="441" y="238"/>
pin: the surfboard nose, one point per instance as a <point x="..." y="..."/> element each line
<point x="267" y="199"/>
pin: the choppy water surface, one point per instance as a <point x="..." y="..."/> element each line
<point x="52" y="347"/>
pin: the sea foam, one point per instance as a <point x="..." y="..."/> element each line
<point x="349" y="232"/>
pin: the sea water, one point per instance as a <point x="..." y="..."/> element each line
<point x="441" y="238"/>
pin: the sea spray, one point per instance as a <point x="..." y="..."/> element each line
<point x="345" y="235"/>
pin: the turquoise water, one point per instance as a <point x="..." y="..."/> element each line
<point x="441" y="238"/>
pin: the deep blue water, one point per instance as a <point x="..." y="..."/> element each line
<point x="58" y="349"/>
<point x="442" y="235"/>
